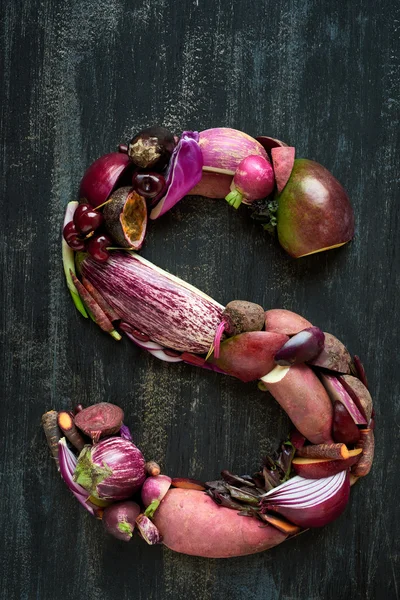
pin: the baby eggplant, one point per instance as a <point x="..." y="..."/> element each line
<point x="303" y="346"/>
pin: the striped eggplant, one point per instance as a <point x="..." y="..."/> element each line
<point x="113" y="469"/>
<point x="165" y="308"/>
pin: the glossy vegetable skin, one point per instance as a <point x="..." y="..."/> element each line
<point x="303" y="397"/>
<point x="192" y="523"/>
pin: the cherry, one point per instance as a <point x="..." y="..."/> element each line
<point x="71" y="236"/>
<point x="148" y="185"/>
<point x="86" y="219"/>
<point x="97" y="247"/>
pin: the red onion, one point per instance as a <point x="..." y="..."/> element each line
<point x="68" y="460"/>
<point x="113" y="469"/>
<point x="102" y="176"/>
<point x="309" y="502"/>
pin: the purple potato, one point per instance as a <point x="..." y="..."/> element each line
<point x="304" y="346"/>
<point x="119" y="519"/>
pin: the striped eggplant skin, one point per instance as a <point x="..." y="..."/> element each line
<point x="113" y="469"/>
<point x="167" y="309"/>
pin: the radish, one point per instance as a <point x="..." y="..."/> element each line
<point x="253" y="180"/>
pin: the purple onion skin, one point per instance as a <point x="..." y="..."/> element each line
<point x="120" y="467"/>
<point x="119" y="519"/>
<point x="155" y="488"/>
<point x="302" y="347"/>
<point x="148" y="530"/>
<point x="101" y="177"/>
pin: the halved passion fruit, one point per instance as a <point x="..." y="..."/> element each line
<point x="125" y="218"/>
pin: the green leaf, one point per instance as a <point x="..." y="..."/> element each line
<point x="68" y="258"/>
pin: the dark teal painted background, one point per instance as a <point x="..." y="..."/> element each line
<point x="78" y="77"/>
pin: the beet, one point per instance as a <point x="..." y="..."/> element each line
<point x="241" y="316"/>
<point x="100" y="420"/>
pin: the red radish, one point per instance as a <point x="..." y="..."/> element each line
<point x="192" y="523"/>
<point x="283" y="161"/>
<point x="303" y="397"/>
<point x="253" y="180"/>
<point x="119" y="519"/>
<point x="153" y="491"/>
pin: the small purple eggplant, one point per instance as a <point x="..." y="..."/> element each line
<point x="303" y="346"/>
<point x="148" y="530"/>
<point x="119" y="519"/>
<point x="153" y="491"/>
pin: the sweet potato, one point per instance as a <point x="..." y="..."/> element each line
<point x="192" y="523"/>
<point x="333" y="356"/>
<point x="303" y="397"/>
<point x="279" y="320"/>
<point x="212" y="185"/>
<point x="250" y="355"/>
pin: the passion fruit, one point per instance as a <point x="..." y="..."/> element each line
<point x="125" y="217"/>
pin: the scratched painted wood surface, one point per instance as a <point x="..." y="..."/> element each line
<point x="78" y="78"/>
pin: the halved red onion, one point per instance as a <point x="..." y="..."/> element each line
<point x="68" y="460"/>
<point x="309" y="502"/>
<point x="102" y="176"/>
